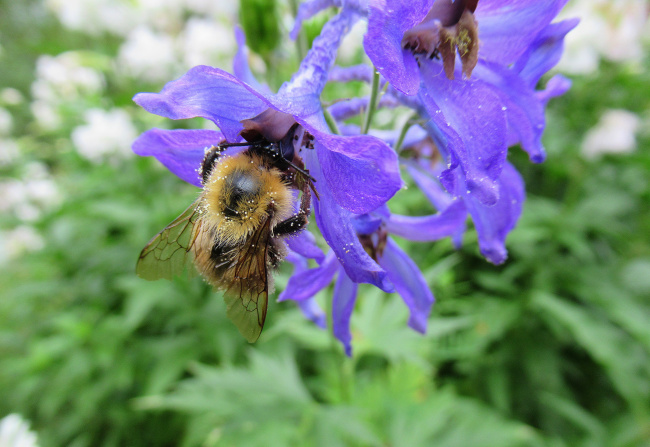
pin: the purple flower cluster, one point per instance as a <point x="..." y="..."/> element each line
<point x="469" y="69"/>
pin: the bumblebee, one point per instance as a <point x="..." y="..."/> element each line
<point x="233" y="233"/>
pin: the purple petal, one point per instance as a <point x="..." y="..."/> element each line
<point x="305" y="283"/>
<point x="409" y="283"/>
<point x="439" y="198"/>
<point x="313" y="312"/>
<point x="362" y="73"/>
<point x="471" y="125"/>
<point x="387" y="22"/>
<point x="524" y="111"/>
<point x="307" y="10"/>
<point x="556" y="86"/>
<point x="355" y="106"/>
<point x="507" y="28"/>
<point x="209" y="93"/>
<point x="369" y="223"/>
<point x="240" y="66"/>
<point x="345" y="295"/>
<point x="449" y="222"/>
<point x="304" y="243"/>
<point x="181" y="151"/>
<point x="362" y="172"/>
<point x="336" y="227"/>
<point x="544" y="52"/>
<point x="493" y="223"/>
<point x="301" y="95"/>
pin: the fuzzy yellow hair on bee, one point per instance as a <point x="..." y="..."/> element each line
<point x="240" y="193"/>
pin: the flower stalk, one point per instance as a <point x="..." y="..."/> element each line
<point x="372" y="105"/>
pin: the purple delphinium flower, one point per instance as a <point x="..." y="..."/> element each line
<point x="488" y="101"/>
<point x="373" y="231"/>
<point x="472" y="121"/>
<point x="353" y="174"/>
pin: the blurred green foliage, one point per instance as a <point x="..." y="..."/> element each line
<point x="550" y="349"/>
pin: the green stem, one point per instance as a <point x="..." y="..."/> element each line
<point x="372" y="106"/>
<point x="343" y="364"/>
<point x="331" y="122"/>
<point x="407" y="125"/>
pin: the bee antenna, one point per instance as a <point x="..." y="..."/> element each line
<point x="302" y="171"/>
<point x="245" y="143"/>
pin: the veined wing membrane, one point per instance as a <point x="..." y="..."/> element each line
<point x="247" y="292"/>
<point x="169" y="254"/>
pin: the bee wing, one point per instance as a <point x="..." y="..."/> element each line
<point x="169" y="254"/>
<point x="247" y="293"/>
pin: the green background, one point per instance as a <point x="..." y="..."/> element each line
<point x="550" y="349"/>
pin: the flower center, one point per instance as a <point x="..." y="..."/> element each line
<point x="374" y="243"/>
<point x="448" y="27"/>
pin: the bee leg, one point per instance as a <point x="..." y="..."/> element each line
<point x="298" y="221"/>
<point x="211" y="156"/>
<point x="291" y="225"/>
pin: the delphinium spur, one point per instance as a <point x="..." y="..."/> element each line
<point x="469" y="72"/>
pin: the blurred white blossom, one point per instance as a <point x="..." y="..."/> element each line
<point x="6" y="122"/>
<point x="608" y="29"/>
<point x="120" y="17"/>
<point x="60" y="80"/>
<point x="106" y="134"/>
<point x="352" y="43"/>
<point x="96" y="16"/>
<point x="29" y="196"/>
<point x="163" y="15"/>
<point x="614" y="134"/>
<point x="8" y="152"/>
<point x="14" y="430"/>
<point x="225" y="9"/>
<point x="46" y="114"/>
<point x="65" y="75"/>
<point x="10" y="96"/>
<point x="148" y="55"/>
<point x="14" y="243"/>
<point x="205" y="41"/>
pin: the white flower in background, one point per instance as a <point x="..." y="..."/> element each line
<point x="352" y="43"/>
<point x="95" y="16"/>
<point x="148" y="55"/>
<point x="8" y="152"/>
<point x="614" y="134"/>
<point x="29" y="196"/>
<point x="608" y="29"/>
<point x="59" y="80"/>
<point x="6" y="122"/>
<point x="162" y="15"/>
<point x="14" y="243"/>
<point x="65" y="75"/>
<point x="223" y="9"/>
<point x="46" y="114"/>
<point x="207" y="42"/>
<point x="107" y="134"/>
<point x="10" y="96"/>
<point x="14" y="431"/>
